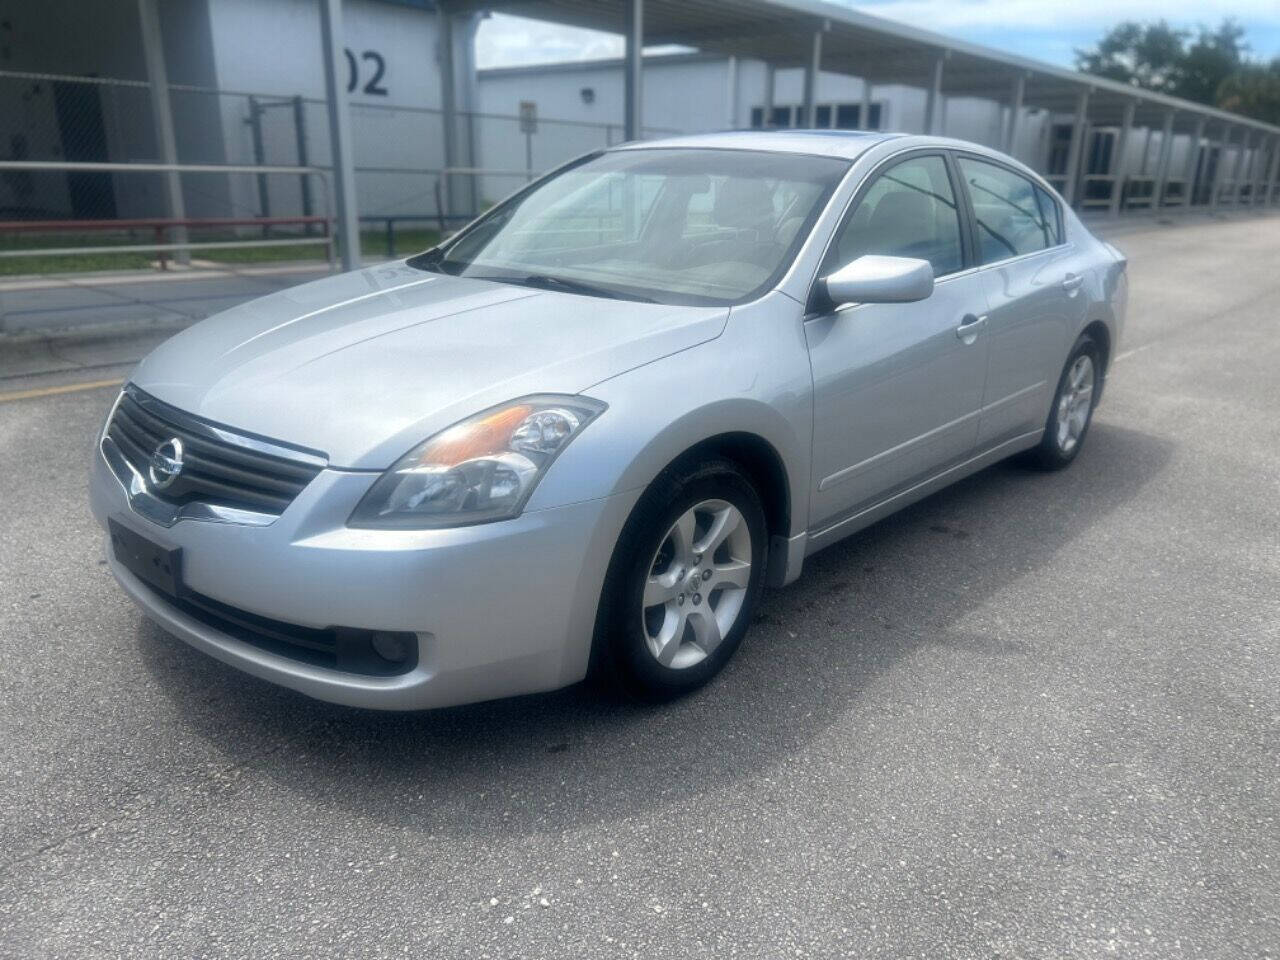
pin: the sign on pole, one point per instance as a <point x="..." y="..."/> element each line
<point x="528" y="116"/>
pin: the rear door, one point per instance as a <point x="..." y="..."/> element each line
<point x="1032" y="282"/>
<point x="897" y="387"/>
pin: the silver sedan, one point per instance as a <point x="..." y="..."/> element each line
<point x="585" y="432"/>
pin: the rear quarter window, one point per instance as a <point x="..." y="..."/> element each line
<point x="1052" y="213"/>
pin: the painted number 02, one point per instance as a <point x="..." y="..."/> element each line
<point x="374" y="84"/>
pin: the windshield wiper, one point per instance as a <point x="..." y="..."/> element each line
<point x="547" y="282"/>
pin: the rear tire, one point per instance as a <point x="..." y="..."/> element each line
<point x="683" y="581"/>
<point x="1072" y="409"/>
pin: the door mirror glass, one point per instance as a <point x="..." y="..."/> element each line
<point x="878" y="279"/>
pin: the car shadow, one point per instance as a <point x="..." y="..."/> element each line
<point x="555" y="761"/>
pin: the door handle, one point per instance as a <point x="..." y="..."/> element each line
<point x="1072" y="283"/>
<point x="969" y="327"/>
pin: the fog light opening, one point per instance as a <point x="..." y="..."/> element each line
<point x="390" y="646"/>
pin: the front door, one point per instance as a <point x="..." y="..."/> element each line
<point x="897" y="387"/>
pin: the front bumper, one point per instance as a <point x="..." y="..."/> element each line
<point x="499" y="609"/>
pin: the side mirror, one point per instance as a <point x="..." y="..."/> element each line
<point x="876" y="279"/>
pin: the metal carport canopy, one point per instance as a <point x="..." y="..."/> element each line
<point x="862" y="45"/>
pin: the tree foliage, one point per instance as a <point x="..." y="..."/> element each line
<point x="1214" y="57"/>
<point x="1254" y="91"/>
<point x="1149" y="56"/>
<point x="1210" y="66"/>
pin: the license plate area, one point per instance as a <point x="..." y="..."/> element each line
<point x="149" y="562"/>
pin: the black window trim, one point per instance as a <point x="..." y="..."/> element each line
<point x="817" y="302"/>
<point x="1034" y="180"/>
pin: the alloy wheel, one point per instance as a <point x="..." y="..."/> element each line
<point x="1075" y="403"/>
<point x="697" y="583"/>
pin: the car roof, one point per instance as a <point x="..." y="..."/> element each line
<point x="845" y="144"/>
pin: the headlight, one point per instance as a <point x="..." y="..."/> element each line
<point x="481" y="469"/>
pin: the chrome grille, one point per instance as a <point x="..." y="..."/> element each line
<point x="219" y="466"/>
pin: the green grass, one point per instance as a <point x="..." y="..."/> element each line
<point x="59" y="263"/>
<point x="373" y="243"/>
<point x="408" y="242"/>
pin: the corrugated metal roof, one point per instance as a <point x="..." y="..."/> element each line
<point x="862" y="45"/>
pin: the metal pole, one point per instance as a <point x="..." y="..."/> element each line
<point x="1265" y="150"/>
<point x="1258" y="170"/>
<point x="108" y="167"/>
<point x="1249" y="164"/>
<point x="300" y="135"/>
<point x="1118" y="159"/>
<point x="633" y="83"/>
<point x="1275" y="170"/>
<point x="864" y="118"/>
<point x="448" y="103"/>
<point x="1193" y="161"/>
<point x="162" y="116"/>
<point x="1238" y="173"/>
<point x="465" y="67"/>
<point x="473" y="183"/>
<point x="259" y="157"/>
<point x="1015" y="108"/>
<point x="1162" y="162"/>
<point x="344" y="175"/>
<point x="1045" y="147"/>
<point x="731" y="91"/>
<point x="1217" y="167"/>
<point x="1265" y="172"/>
<point x="770" y="89"/>
<point x="1071" y="187"/>
<point x="811" y="82"/>
<point x="935" y="94"/>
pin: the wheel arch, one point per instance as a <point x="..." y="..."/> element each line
<point x="1100" y="333"/>
<point x="762" y="463"/>
<point x="746" y="449"/>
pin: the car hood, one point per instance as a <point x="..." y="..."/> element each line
<point x="364" y="365"/>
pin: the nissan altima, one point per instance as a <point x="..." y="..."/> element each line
<point x="584" y="433"/>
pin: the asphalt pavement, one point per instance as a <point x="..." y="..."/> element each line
<point x="1033" y="716"/>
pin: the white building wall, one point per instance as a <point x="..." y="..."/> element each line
<point x="273" y="49"/>
<point x="689" y="93"/>
<point x="587" y="100"/>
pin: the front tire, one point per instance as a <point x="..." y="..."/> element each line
<point x="683" y="582"/>
<point x="1072" y="408"/>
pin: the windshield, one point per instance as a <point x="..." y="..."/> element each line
<point x="676" y="226"/>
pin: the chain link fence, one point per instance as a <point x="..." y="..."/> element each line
<point x="404" y="194"/>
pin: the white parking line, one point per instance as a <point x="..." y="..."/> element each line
<point x="1126" y="354"/>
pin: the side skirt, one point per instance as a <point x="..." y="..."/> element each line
<point x="837" y="531"/>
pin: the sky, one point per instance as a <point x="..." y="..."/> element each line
<point x="1047" y="30"/>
